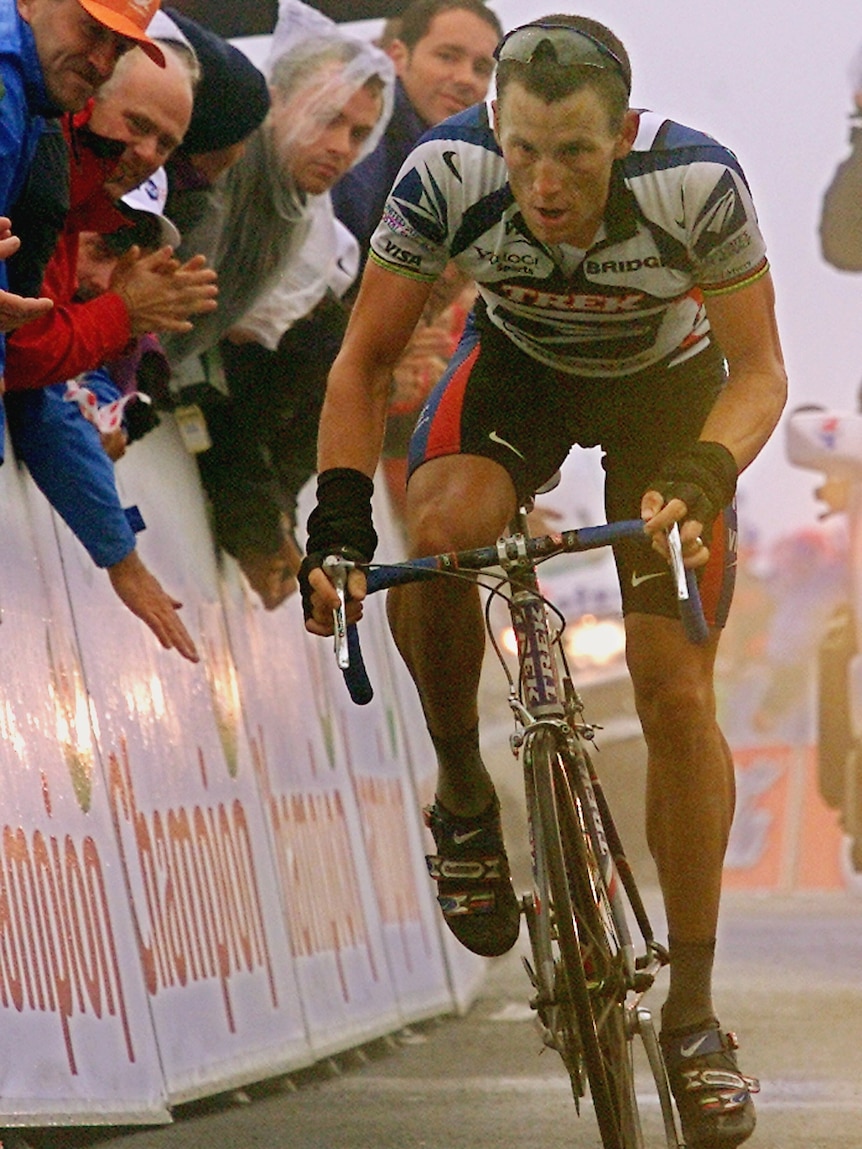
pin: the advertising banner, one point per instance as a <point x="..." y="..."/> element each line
<point x="395" y="691"/>
<point x="210" y="873"/>
<point x="378" y="752"/>
<point x="784" y="837"/>
<point x="182" y="793"/>
<point x="71" y="992"/>
<point x="326" y="887"/>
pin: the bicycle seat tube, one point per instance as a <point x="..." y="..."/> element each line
<point x="539" y="681"/>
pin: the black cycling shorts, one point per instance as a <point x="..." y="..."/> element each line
<point x="498" y="402"/>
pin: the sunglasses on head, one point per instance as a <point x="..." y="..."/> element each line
<point x="569" y="46"/>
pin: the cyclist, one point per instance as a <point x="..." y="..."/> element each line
<point x="624" y="300"/>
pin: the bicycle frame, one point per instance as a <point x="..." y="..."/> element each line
<point x="545" y="698"/>
<point x="549" y="714"/>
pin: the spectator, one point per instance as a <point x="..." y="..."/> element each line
<point x="808" y="579"/>
<point x="231" y="101"/>
<point x="327" y="102"/>
<point x="15" y="310"/>
<point x="330" y="97"/>
<point x="54" y="54"/>
<point x="444" y="61"/>
<point x="137" y="120"/>
<point x="69" y="463"/>
<point x="841" y="215"/>
<point x="147" y="290"/>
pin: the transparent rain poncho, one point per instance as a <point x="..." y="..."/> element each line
<point x="258" y="222"/>
<point x="301" y="36"/>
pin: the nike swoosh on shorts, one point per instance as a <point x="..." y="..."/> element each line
<point x="495" y="438"/>
<point x="638" y="579"/>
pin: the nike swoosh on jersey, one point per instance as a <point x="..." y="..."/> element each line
<point x="495" y="438"/>
<point x="638" y="579"/>
<point x="449" y="161"/>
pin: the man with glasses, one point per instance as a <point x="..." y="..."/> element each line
<point x="624" y="300"/>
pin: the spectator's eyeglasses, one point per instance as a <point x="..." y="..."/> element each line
<point x="569" y="45"/>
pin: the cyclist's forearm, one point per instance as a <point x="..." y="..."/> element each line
<point x="353" y="419"/>
<point x="746" y="413"/>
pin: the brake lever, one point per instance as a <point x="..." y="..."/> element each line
<point x="336" y="568"/>
<point x="674" y="546"/>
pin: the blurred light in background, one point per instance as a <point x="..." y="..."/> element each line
<point x="592" y="644"/>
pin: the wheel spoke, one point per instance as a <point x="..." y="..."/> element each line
<point x="590" y="982"/>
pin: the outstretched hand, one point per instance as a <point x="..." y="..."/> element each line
<point x="16" y="310"/>
<point x="143" y="594"/>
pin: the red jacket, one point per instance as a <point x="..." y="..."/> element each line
<point x="73" y="337"/>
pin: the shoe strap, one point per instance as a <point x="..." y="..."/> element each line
<point x="465" y="869"/>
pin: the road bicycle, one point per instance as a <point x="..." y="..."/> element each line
<point x="588" y="977"/>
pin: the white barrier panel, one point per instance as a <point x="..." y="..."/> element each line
<point x="209" y="874"/>
<point x="465" y="970"/>
<point x="76" y="1039"/>
<point x="377" y="750"/>
<point x="326" y="891"/>
<point x="182" y="790"/>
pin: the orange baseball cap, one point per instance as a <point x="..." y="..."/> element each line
<point x="128" y="18"/>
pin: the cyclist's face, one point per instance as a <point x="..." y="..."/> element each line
<point x="559" y="157"/>
<point x="450" y="68"/>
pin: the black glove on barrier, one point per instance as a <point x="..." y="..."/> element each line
<point x="703" y="476"/>
<point x="341" y="523"/>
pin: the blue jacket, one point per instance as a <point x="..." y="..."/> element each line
<point x="24" y="104"/>
<point x="64" y="455"/>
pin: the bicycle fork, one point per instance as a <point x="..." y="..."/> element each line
<point x="535" y="702"/>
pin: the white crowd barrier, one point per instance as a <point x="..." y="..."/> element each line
<point x="209" y="874"/>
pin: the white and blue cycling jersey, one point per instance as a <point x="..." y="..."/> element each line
<point x="679" y="224"/>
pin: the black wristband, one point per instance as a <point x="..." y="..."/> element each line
<point x="703" y="476"/>
<point x="342" y="517"/>
<point x="341" y="523"/>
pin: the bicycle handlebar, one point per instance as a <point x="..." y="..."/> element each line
<point x="508" y="549"/>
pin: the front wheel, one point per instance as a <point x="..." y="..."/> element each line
<point x="591" y="964"/>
